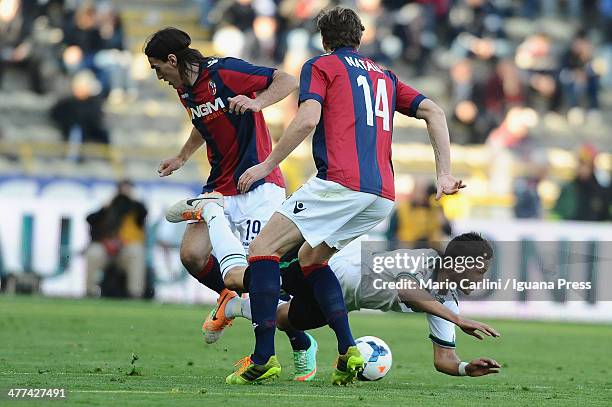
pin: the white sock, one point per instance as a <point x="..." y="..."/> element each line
<point x="227" y="248"/>
<point x="238" y="307"/>
<point x="233" y="308"/>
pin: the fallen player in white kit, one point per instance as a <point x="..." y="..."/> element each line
<point x="363" y="289"/>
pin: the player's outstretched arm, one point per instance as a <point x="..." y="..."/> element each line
<point x="301" y="126"/>
<point x="446" y="361"/>
<point x="195" y="141"/>
<point x="440" y="141"/>
<point x="282" y="85"/>
<point x="419" y="299"/>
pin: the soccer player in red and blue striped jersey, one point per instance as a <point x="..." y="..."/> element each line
<point x="349" y="102"/>
<point x="224" y="98"/>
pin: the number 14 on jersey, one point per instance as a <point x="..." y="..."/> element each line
<point x="381" y="102"/>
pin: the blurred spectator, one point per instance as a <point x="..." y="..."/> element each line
<point x="113" y="59"/>
<point x="83" y="38"/>
<point x="513" y="148"/>
<point x="478" y="29"/>
<point x="118" y="240"/>
<point x="419" y="221"/>
<point x="605" y="18"/>
<point x="583" y="198"/>
<point x="537" y="58"/>
<point x="578" y="77"/>
<point x="80" y="116"/>
<point x="26" y="39"/>
<point x="470" y="121"/>
<point x="503" y="90"/>
<point x="93" y="40"/>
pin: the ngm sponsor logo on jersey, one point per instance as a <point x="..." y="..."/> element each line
<point x="363" y="64"/>
<point x="209" y="110"/>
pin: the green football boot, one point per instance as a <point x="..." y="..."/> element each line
<point x="348" y="367"/>
<point x="248" y="373"/>
<point x="305" y="362"/>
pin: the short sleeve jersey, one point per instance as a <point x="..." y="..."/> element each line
<point x="352" y="141"/>
<point x="234" y="142"/>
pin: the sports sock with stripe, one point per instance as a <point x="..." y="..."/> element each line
<point x="226" y="246"/>
<point x="210" y="275"/>
<point x="328" y="293"/>
<point x="264" y="293"/>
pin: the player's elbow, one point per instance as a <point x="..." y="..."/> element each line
<point x="430" y="112"/>
<point x="439" y="366"/>
<point x="295" y="85"/>
<point x="290" y="82"/>
<point x="308" y="124"/>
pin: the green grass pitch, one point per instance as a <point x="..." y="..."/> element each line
<point x="87" y="347"/>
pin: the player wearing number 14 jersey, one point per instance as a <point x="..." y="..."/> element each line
<point x="349" y="102"/>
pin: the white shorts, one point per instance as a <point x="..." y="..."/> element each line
<point x="325" y="211"/>
<point x="248" y="213"/>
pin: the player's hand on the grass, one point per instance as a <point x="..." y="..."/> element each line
<point x="170" y="165"/>
<point x="448" y="185"/>
<point x="474" y="328"/>
<point x="481" y="367"/>
<point x="240" y="104"/>
<point x="252" y="175"/>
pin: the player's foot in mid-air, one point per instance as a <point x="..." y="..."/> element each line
<point x="248" y="373"/>
<point x="305" y="362"/>
<point x="191" y="209"/>
<point x="216" y="321"/>
<point x="348" y="367"/>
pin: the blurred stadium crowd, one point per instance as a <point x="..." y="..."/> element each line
<point x="526" y="86"/>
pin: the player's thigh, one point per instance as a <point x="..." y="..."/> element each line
<point x="195" y="246"/>
<point x="319" y="208"/>
<point x="250" y="212"/>
<point x="278" y="237"/>
<point x="362" y="222"/>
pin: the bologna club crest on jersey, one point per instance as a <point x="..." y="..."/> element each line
<point x="212" y="87"/>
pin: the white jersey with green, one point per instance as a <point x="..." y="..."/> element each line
<point x="360" y="292"/>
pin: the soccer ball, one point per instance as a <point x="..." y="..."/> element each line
<point x="377" y="356"/>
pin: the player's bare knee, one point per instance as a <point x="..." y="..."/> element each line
<point x="307" y="256"/>
<point x="259" y="248"/>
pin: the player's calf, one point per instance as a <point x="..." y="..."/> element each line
<point x="233" y="279"/>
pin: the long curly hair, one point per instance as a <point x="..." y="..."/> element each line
<point x="171" y="40"/>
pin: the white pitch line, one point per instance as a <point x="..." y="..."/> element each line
<point x="100" y="374"/>
<point x="208" y="393"/>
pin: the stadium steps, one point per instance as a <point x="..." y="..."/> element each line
<point x="142" y="18"/>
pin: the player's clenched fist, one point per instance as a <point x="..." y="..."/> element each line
<point x="240" y="104"/>
<point x="170" y="165"/>
<point x="448" y="185"/>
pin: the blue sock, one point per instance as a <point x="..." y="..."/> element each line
<point x="298" y="339"/>
<point x="210" y="275"/>
<point x="328" y="293"/>
<point x="264" y="293"/>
